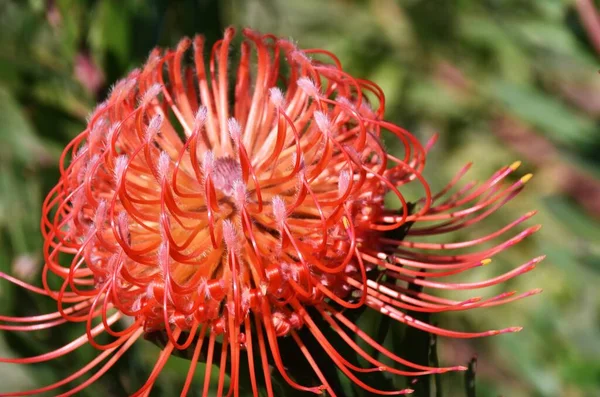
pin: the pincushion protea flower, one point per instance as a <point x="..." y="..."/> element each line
<point x="226" y="217"/>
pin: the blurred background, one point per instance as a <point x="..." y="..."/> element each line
<point x="499" y="80"/>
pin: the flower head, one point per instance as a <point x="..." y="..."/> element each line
<point x="225" y="217"/>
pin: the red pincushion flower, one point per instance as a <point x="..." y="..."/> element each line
<point x="227" y="216"/>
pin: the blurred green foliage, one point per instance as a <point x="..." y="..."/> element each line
<point x="499" y="80"/>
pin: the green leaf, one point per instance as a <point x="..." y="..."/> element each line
<point x="18" y="140"/>
<point x="110" y="33"/>
<point x="548" y="114"/>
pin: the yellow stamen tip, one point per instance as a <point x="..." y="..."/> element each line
<point x="346" y="222"/>
<point x="486" y="262"/>
<point x="515" y="165"/>
<point x="526" y="178"/>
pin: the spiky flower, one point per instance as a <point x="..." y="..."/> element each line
<point x="227" y="217"/>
